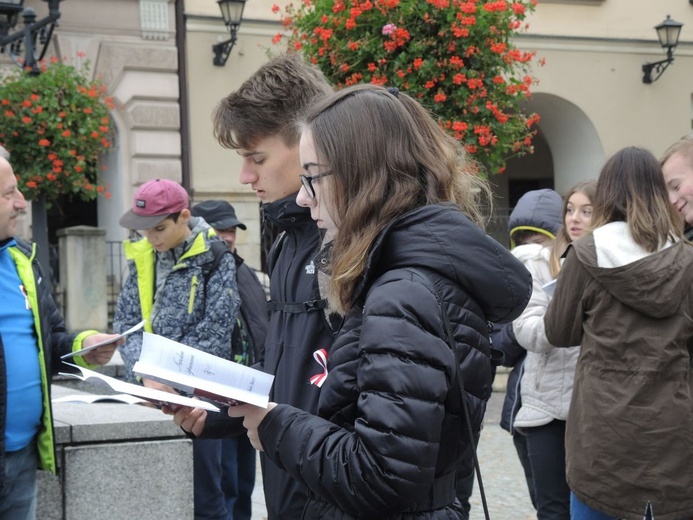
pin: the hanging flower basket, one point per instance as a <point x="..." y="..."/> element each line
<point x="456" y="56"/>
<point x="56" y="126"/>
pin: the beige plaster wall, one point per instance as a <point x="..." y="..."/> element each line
<point x="590" y="92"/>
<point x="215" y="170"/>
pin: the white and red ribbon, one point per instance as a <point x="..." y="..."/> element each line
<point x="321" y="357"/>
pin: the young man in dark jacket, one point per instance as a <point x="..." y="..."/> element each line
<point x="259" y="122"/>
<point x="235" y="455"/>
<point x="32" y="339"/>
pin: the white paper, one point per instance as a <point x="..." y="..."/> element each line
<point x="550" y="287"/>
<point x="107" y="342"/>
<point x="150" y="394"/>
<point x="197" y="372"/>
<point x="96" y="398"/>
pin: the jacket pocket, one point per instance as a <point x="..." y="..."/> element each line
<point x="193" y="292"/>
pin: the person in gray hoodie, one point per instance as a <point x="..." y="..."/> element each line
<point x="547" y="380"/>
<point x="535" y="219"/>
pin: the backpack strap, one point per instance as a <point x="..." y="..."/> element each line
<point x="241" y="344"/>
<point x="450" y="339"/>
<point x="218" y="249"/>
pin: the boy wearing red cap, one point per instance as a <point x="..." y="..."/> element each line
<point x="172" y="287"/>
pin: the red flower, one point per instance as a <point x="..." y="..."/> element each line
<point x="44" y="142"/>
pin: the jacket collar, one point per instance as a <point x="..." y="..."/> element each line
<point x="285" y="213"/>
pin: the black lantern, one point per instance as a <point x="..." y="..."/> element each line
<point x="9" y="11"/>
<point x="34" y="38"/>
<point x="668" y="33"/>
<point x="232" y="12"/>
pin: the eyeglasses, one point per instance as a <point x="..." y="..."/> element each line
<point x="307" y="182"/>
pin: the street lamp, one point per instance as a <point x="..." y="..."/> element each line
<point x="668" y="33"/>
<point x="34" y="38"/>
<point x="232" y="12"/>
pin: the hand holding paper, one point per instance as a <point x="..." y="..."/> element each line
<point x="252" y="417"/>
<point x="106" y="345"/>
<point x="98" y="341"/>
<point x="196" y="372"/>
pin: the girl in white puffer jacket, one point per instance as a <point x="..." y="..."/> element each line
<point x="547" y="381"/>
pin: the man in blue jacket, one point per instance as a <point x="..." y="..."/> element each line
<point x="32" y="339"/>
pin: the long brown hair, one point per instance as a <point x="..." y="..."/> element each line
<point x="589" y="189"/>
<point x="388" y="156"/>
<point x="631" y="189"/>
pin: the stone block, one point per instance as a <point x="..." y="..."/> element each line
<point x="83" y="272"/>
<point x="121" y="481"/>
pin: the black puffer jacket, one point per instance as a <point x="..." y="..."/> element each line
<point x="390" y="429"/>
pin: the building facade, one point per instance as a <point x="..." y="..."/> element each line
<point x="155" y="56"/>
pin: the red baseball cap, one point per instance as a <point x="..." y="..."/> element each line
<point x="154" y="201"/>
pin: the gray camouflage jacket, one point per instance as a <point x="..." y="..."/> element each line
<point x="192" y="307"/>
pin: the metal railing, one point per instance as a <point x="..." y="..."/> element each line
<point x="116" y="273"/>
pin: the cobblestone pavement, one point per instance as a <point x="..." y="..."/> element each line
<point x="504" y="481"/>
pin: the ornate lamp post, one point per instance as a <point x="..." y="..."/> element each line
<point x="668" y="33"/>
<point x="232" y="12"/>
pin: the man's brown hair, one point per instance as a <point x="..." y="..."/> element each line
<point x="270" y="102"/>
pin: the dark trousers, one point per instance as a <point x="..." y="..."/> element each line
<point x="546" y="450"/>
<point x="520" y="442"/>
<point x="224" y="473"/>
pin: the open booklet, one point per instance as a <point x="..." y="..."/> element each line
<point x="199" y="373"/>
<point x="102" y="343"/>
<point x="99" y="398"/>
<point x="158" y="397"/>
